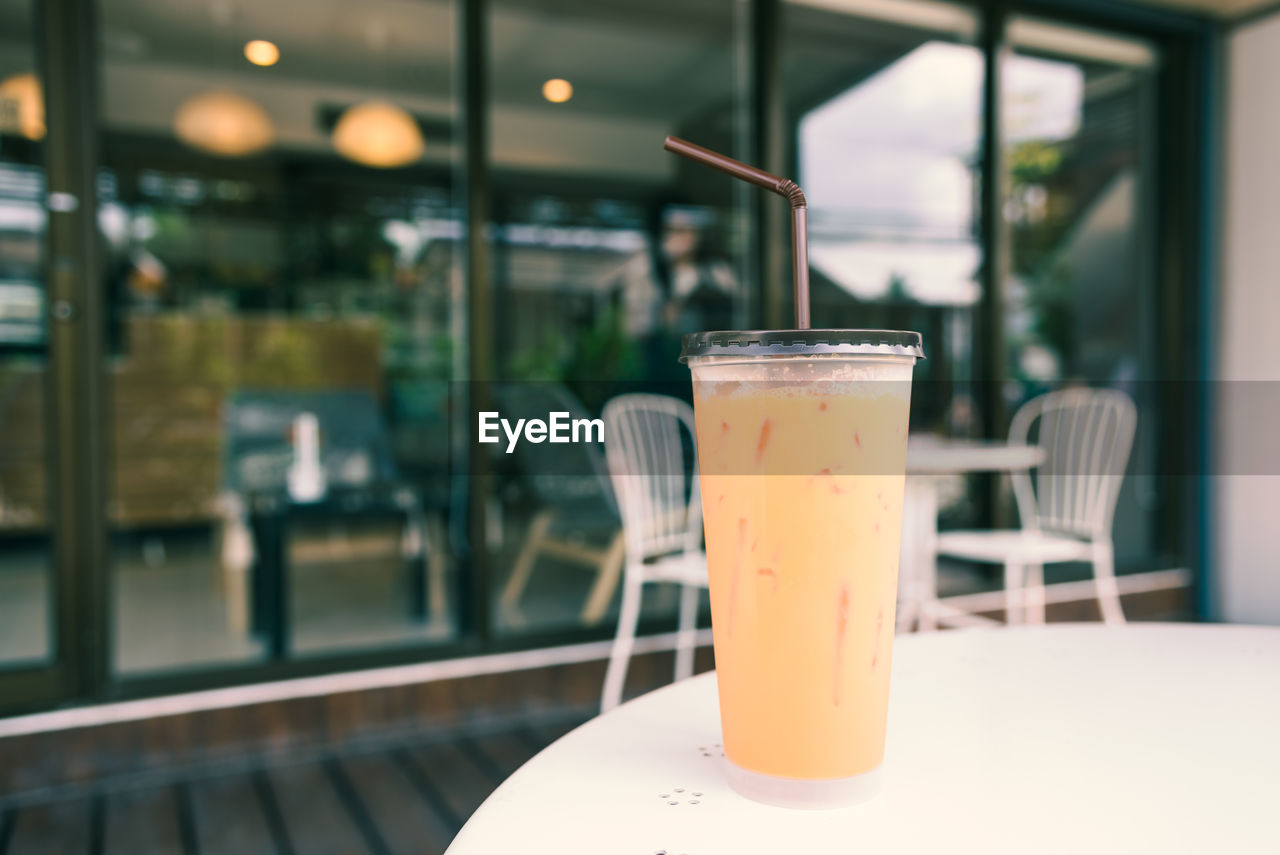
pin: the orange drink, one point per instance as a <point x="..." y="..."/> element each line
<point x="802" y="455"/>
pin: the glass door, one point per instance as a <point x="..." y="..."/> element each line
<point x="33" y="659"/>
<point x="883" y="103"/>
<point x="884" y="114"/>
<point x="284" y="323"/>
<point x="605" y="250"/>
<point x="1080" y="303"/>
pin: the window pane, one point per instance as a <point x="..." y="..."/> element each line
<point x="1079" y="305"/>
<point x="286" y="316"/>
<point x="606" y="249"/>
<point x="884" y="103"/>
<point x="884" y="100"/>
<point x="25" y="571"/>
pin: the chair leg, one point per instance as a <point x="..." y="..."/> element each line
<point x="607" y="575"/>
<point x="1104" y="580"/>
<point x="688" y="631"/>
<point x="437" y="570"/>
<point x="237" y="592"/>
<point x="928" y="607"/>
<point x="515" y="586"/>
<point x="907" y="609"/>
<point x="908" y="565"/>
<point x="1013" y="599"/>
<point x="413" y="541"/>
<point x="926" y="555"/>
<point x="1033" y="594"/>
<point x="236" y="557"/>
<point x="616" y="674"/>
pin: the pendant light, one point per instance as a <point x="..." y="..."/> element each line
<point x="224" y="123"/>
<point x="23" y="90"/>
<point x="378" y="133"/>
<point x="218" y="120"/>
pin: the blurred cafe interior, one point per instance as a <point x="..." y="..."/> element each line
<point x="249" y="247"/>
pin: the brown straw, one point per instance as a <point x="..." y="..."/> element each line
<point x="785" y="188"/>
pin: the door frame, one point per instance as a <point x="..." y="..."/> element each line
<point x="75" y="465"/>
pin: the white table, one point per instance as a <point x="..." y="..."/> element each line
<point x="1067" y="738"/>
<point x="929" y="457"/>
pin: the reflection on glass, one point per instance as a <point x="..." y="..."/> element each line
<point x="606" y="249"/>
<point x="1078" y="305"/>
<point x="1074" y="149"/>
<point x="885" y="101"/>
<point x="25" y="573"/>
<point x="284" y="324"/>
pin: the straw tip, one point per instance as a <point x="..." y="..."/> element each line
<point x="670" y="142"/>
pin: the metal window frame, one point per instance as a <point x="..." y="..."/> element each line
<point x="475" y="584"/>
<point x="66" y="49"/>
<point x="77" y="391"/>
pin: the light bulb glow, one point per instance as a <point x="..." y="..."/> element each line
<point x="22" y="98"/>
<point x="261" y="52"/>
<point x="378" y="134"/>
<point x="223" y="123"/>
<point x="557" y="90"/>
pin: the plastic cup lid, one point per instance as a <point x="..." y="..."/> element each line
<point x="801" y="343"/>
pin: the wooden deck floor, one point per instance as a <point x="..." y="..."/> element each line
<point x="407" y="790"/>
<point x="404" y="796"/>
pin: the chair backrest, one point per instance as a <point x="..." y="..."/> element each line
<point x="651" y="450"/>
<point x="553" y="473"/>
<point x="1086" y="435"/>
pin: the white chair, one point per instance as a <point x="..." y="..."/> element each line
<point x="1066" y="514"/>
<point x="658" y="498"/>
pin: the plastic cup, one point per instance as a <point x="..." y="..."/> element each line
<point x="802" y="441"/>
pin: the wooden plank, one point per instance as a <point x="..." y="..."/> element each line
<point x="456" y="777"/>
<point x="175" y="449"/>
<point x="317" y="822"/>
<point x="27" y="477"/>
<point x="178" y="510"/>
<point x="60" y="827"/>
<point x="186" y="818"/>
<point x="156" y="461"/>
<point x="271" y="812"/>
<point x="7" y="817"/>
<point x="383" y="802"/>
<point x="228" y="817"/>
<point x="161" y="403"/>
<point x="167" y="476"/>
<point x="544" y="733"/>
<point x="141" y="821"/>
<point x="505" y="750"/>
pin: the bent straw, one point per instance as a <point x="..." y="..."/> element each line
<point x="785" y="188"/>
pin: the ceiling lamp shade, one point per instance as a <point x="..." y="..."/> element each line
<point x="378" y="134"/>
<point x="262" y="52"/>
<point x="557" y="90"/>
<point x="22" y="105"/>
<point x="223" y="123"/>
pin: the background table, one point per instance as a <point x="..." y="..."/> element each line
<point x="1068" y="738"/>
<point x="931" y="455"/>
<point x="928" y="457"/>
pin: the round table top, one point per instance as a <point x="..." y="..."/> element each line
<point x="1068" y="738"/>
<point x="932" y="455"/>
